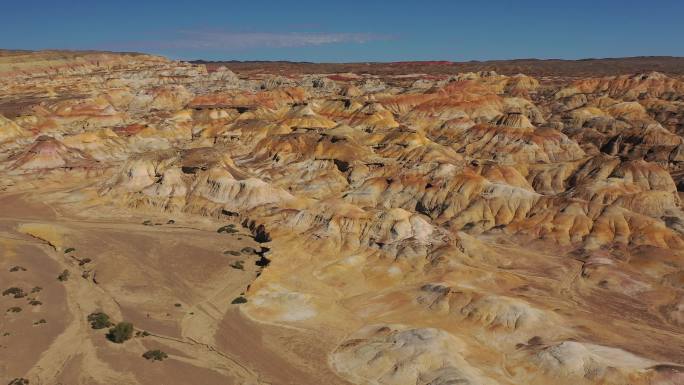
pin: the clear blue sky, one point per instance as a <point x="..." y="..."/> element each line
<point x="350" y="30"/>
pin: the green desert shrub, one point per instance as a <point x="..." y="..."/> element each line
<point x="64" y="276"/>
<point x="99" y="320"/>
<point x="228" y="229"/>
<point x="238" y="265"/>
<point x="19" y="381"/>
<point x="15" y="292"/>
<point x="155" y="355"/>
<point x="120" y="333"/>
<point x="239" y="300"/>
<point x="14" y="309"/>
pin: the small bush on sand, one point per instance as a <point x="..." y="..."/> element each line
<point x="228" y="229"/>
<point x="120" y="333"/>
<point x="35" y="302"/>
<point x="238" y="265"/>
<point x="36" y="289"/>
<point x="40" y="321"/>
<point x="69" y="250"/>
<point x="99" y="320"/>
<point x="64" y="276"/>
<point x="15" y="292"/>
<point x="19" y="381"/>
<point x="155" y="355"/>
<point x="17" y="268"/>
<point x="14" y="309"/>
<point x="239" y="300"/>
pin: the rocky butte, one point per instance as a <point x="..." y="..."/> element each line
<point x="164" y="222"/>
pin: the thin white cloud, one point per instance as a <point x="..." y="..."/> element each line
<point x="225" y="41"/>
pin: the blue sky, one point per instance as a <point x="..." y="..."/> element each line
<point x="350" y="30"/>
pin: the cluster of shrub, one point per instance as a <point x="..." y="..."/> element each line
<point x="155" y="355"/>
<point x="122" y="332"/>
<point x="118" y="333"/>
<point x="17" y="292"/>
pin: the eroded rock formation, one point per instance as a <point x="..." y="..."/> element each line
<point x="469" y="229"/>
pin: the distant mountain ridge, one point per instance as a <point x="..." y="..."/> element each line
<point x="671" y="65"/>
<point x="534" y="67"/>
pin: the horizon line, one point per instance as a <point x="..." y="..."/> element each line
<point x="435" y="61"/>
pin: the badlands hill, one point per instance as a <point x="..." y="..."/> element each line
<point x="339" y="227"/>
